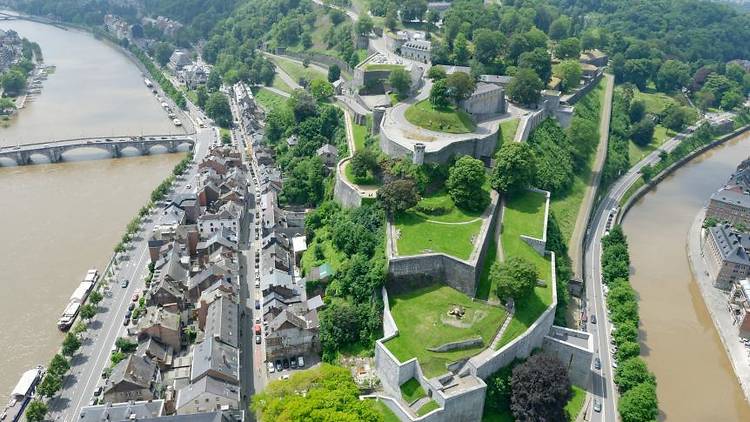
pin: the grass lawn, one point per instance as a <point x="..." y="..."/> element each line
<point x="279" y="83"/>
<point x="383" y="66"/>
<point x="420" y="232"/>
<point x="296" y="71"/>
<point x="508" y="131"/>
<point x="330" y="254"/>
<point x="575" y="403"/>
<point x="411" y="391"/>
<point x="360" y="134"/>
<point x="388" y="415"/>
<point x="655" y="101"/>
<point x="422" y="320"/>
<point x="269" y="100"/>
<point x="524" y="214"/>
<point x="450" y="120"/>
<point x="427" y="408"/>
<point x="637" y="152"/>
<point x="486" y="288"/>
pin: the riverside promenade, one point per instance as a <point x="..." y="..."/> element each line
<point x="716" y="302"/>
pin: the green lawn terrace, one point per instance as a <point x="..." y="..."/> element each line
<point x="436" y="225"/>
<point x="449" y="119"/>
<point x="424" y="320"/>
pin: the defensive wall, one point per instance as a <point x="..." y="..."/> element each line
<point x="345" y="193"/>
<point x="575" y="349"/>
<point x="540" y="245"/>
<point x="579" y="93"/>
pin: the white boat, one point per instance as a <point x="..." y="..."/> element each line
<point x="22" y="394"/>
<point x="77" y="299"/>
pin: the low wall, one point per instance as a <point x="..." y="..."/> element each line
<point x="580" y="93"/>
<point x="530" y="123"/>
<point x="485" y="364"/>
<point x="655" y="180"/>
<point x="320" y="59"/>
<point x="540" y="245"/>
<point x="345" y="193"/>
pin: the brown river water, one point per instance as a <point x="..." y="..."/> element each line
<point x="59" y="220"/>
<point x="678" y="339"/>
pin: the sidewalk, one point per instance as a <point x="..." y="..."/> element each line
<point x="716" y="302"/>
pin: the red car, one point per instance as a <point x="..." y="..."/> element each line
<point x="135" y="297"/>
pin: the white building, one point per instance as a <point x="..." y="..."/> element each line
<point x="419" y="50"/>
<point x="228" y="216"/>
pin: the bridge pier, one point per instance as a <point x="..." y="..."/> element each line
<point x="54" y="155"/>
<point x="172" y="147"/>
<point x="115" y="150"/>
<point x="23" y="158"/>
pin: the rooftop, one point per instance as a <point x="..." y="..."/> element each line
<point x="732" y="244"/>
<point x="122" y="411"/>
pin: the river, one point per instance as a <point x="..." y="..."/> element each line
<point x="59" y="220"/>
<point x="678" y="339"/>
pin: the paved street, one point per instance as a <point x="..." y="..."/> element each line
<point x="89" y="362"/>
<point x="595" y="302"/>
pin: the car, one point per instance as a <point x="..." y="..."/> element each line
<point x="278" y="365"/>
<point x="593" y="319"/>
<point x="285" y="377"/>
<point x="597" y="405"/>
<point x="126" y="322"/>
<point x="131" y="306"/>
<point x="135" y="297"/>
<point x="188" y="186"/>
<point x="98" y="391"/>
<point x="257" y="304"/>
<point x="300" y="362"/>
<point x="258" y="339"/>
<point x="257" y="320"/>
<point x="93" y="401"/>
<point x="293" y="363"/>
<point x="271" y="368"/>
<point x="614" y="364"/>
<point x="597" y="363"/>
<point x="128" y="314"/>
<point x="285" y="363"/>
<point x="124" y="283"/>
<point x="257" y="283"/>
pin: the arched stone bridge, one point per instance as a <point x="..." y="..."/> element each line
<point x="54" y="151"/>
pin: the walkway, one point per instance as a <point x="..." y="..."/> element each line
<point x="576" y="238"/>
<point x="363" y="191"/>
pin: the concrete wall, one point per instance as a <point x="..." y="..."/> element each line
<point x="566" y="345"/>
<point x="481" y="147"/>
<point x="320" y="59"/>
<point x="530" y="123"/>
<point x="576" y="95"/>
<point x="540" y="244"/>
<point x="345" y="193"/>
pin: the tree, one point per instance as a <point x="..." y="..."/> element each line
<point x="642" y="133"/>
<point x="569" y="48"/>
<point x="540" y="389"/>
<point x="58" y="365"/>
<point x="398" y="195"/>
<point x="413" y="9"/>
<point x="487" y="45"/>
<point x="213" y="83"/>
<point x="321" y="89"/>
<point x="334" y="73"/>
<point x="627" y="350"/>
<point x="460" y="86"/>
<point x="125" y="345"/>
<point x="95" y="297"/>
<point x="13" y="82"/>
<point x="364" y="25"/>
<point x="559" y="28"/>
<point x="51" y="384"/>
<point x="400" y="80"/>
<point x="391" y="19"/>
<point x="70" y="344"/>
<point x="674" y="117"/>
<point x="36" y="411"/>
<point x="362" y="162"/>
<point x="538" y="60"/>
<point x="217" y="108"/>
<point x="639" y="404"/>
<point x="515" y="278"/>
<point x="632" y="372"/>
<point x="436" y="73"/>
<point x="525" y="87"/>
<point x="637" y="110"/>
<point x="439" y="94"/>
<point x="515" y="167"/>
<point x="88" y="311"/>
<point x="302" y="104"/>
<point x="626" y="332"/>
<point x="672" y="75"/>
<point x="162" y="53"/>
<point x="461" y="49"/>
<point x="465" y="180"/>
<point x="570" y="74"/>
<point x="731" y="100"/>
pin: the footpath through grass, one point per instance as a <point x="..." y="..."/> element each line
<point x="446" y="228"/>
<point x="449" y="120"/>
<point x="296" y="71"/>
<point x="524" y="214"/>
<point x="422" y="319"/>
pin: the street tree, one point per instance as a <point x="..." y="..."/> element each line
<point x="36" y="411"/>
<point x="515" y="278"/>
<point x="525" y="87"/>
<point x="88" y="311"/>
<point x="70" y="344"/>
<point x="540" y="389"/>
<point x="631" y="373"/>
<point x="398" y="195"/>
<point x="50" y="385"/>
<point x="439" y="94"/>
<point x="400" y="80"/>
<point x="465" y="180"/>
<point x="639" y="404"/>
<point x="460" y="86"/>
<point x="95" y="297"/>
<point x="58" y="365"/>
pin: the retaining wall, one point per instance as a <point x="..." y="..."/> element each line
<point x="320" y="59"/>
<point x="580" y="93"/>
<point x="574" y="356"/>
<point x="343" y="192"/>
<point x="540" y="245"/>
<point x="530" y="123"/>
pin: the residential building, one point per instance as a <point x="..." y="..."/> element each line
<point x="329" y="155"/>
<point x="178" y="60"/>
<point x="216" y="359"/>
<point x="228" y="216"/>
<point x="135" y="378"/>
<point x="163" y="325"/>
<point x="158" y="352"/>
<point x="221" y="321"/>
<point x="207" y="395"/>
<point x="122" y="412"/>
<point x="292" y="335"/>
<point x="739" y="303"/>
<point x="726" y="252"/>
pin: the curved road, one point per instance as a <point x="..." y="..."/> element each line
<point x="603" y="386"/>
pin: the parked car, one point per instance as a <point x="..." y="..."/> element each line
<point x="278" y="365"/>
<point x="98" y="391"/>
<point x="257" y="320"/>
<point x="258" y="339"/>
<point x="597" y="363"/>
<point x="131" y="306"/>
<point x="597" y="405"/>
<point x="593" y="319"/>
<point x="271" y="368"/>
<point x="135" y="297"/>
<point x="257" y="304"/>
<point x="257" y="283"/>
<point x="124" y="283"/>
<point x="285" y="363"/>
<point x="128" y="314"/>
<point x="126" y="322"/>
<point x="301" y="362"/>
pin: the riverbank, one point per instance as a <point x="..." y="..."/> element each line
<point x="716" y="303"/>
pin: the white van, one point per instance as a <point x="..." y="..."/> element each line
<point x="300" y="362"/>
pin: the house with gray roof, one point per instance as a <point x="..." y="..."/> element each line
<point x="726" y="252"/>
<point x="122" y="412"/>
<point x="292" y="335"/>
<point x="208" y="394"/>
<point x="216" y="359"/>
<point x="161" y="324"/>
<point x="221" y="321"/>
<point x="328" y="154"/>
<point x="135" y="378"/>
<point x="157" y="351"/>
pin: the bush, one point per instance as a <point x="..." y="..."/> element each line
<point x="642" y="133"/>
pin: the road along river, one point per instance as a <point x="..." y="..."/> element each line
<point x="678" y="339"/>
<point x="58" y="220"/>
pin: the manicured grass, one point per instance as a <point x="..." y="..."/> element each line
<point x="427" y="408"/>
<point x="655" y="101"/>
<point x="331" y="255"/>
<point x="269" y="100"/>
<point x="420" y="232"/>
<point x="388" y="415"/>
<point x="524" y="214"/>
<point x="486" y="288"/>
<point x="279" y="83"/>
<point x="575" y="403"/>
<point x="383" y="66"/>
<point x="508" y="131"/>
<point x="360" y="134"/>
<point x="421" y="317"/>
<point x="412" y="391"/>
<point x="296" y="71"/>
<point x="449" y="120"/>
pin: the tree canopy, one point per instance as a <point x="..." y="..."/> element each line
<point x="540" y="389"/>
<point x="465" y="184"/>
<point x="514" y="278"/>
